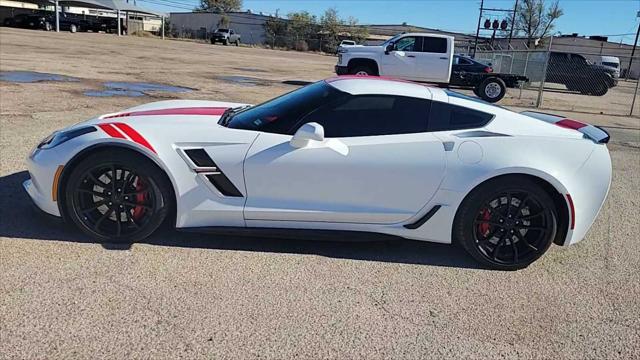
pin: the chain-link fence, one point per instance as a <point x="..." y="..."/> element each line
<point x="581" y="82"/>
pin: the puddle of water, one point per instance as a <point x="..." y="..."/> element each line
<point x="134" y="89"/>
<point x="143" y="87"/>
<point x="32" y="77"/>
<point x="297" y="82"/>
<point x="245" y="80"/>
<point x="113" y="92"/>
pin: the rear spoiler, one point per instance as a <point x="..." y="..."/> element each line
<point x="591" y="132"/>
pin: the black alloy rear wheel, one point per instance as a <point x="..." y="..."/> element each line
<point x="507" y="223"/>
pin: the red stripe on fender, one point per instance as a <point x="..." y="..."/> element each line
<point x="570" y="124"/>
<point x="211" y="111"/>
<point x="572" y="211"/>
<point x="134" y="135"/>
<point x="111" y="131"/>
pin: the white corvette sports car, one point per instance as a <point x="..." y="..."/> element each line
<point x="353" y="156"/>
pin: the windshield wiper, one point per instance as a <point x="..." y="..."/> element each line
<point x="227" y="114"/>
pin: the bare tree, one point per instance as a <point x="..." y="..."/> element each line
<point x="221" y="6"/>
<point x="535" y="20"/>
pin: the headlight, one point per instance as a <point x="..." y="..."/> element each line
<point x="60" y="137"/>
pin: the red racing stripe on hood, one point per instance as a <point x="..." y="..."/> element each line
<point x="212" y="111"/>
<point x="134" y="135"/>
<point x="119" y="130"/>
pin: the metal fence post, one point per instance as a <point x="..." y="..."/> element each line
<point x="544" y="74"/>
<point x="57" y="17"/>
<point x="635" y="94"/>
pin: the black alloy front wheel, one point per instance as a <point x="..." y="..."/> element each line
<point x="117" y="196"/>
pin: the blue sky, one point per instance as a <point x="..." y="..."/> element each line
<point x="586" y="17"/>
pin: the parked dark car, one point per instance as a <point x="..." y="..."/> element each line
<point x="46" y="20"/>
<point x="35" y="20"/>
<point x="466" y="64"/>
<point x="578" y="74"/>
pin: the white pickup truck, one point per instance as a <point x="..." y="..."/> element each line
<point x="422" y="57"/>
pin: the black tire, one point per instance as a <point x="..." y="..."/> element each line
<point x="599" y="88"/>
<point x="362" y="70"/>
<point x="238" y="42"/>
<point x="476" y="91"/>
<point x="492" y="89"/>
<point x="213" y="42"/>
<point x="225" y="42"/>
<point x="505" y="237"/>
<point x="126" y="210"/>
<point x="73" y="28"/>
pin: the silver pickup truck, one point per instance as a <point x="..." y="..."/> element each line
<point x="225" y="36"/>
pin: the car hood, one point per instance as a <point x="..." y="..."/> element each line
<point x="170" y="110"/>
<point x="362" y="48"/>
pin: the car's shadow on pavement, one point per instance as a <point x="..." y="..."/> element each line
<point x="20" y="219"/>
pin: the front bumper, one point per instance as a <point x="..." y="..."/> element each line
<point x="341" y="70"/>
<point x="40" y="199"/>
<point x="43" y="166"/>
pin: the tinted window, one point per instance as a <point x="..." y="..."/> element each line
<point x="282" y="113"/>
<point x="434" y="45"/>
<point x="407" y="44"/>
<point x="445" y="116"/>
<point x="457" y="60"/>
<point x="371" y="115"/>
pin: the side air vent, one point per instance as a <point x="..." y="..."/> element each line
<point x="224" y="185"/>
<point x="200" y="157"/>
<point x="210" y="170"/>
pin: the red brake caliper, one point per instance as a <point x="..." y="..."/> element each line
<point x="138" y="211"/>
<point x="483" y="228"/>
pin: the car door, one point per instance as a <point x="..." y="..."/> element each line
<point x="433" y="60"/>
<point x="401" y="62"/>
<point x="377" y="164"/>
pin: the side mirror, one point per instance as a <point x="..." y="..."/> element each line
<point x="307" y="132"/>
<point x="389" y="48"/>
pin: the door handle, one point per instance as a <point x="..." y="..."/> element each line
<point x="444" y="58"/>
<point x="411" y="56"/>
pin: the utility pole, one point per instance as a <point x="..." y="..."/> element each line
<point x="475" y="44"/>
<point x="513" y="23"/>
<point x="633" y="51"/>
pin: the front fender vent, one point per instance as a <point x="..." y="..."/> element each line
<point x="207" y="167"/>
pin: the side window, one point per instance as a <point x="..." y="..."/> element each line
<point x="445" y="117"/>
<point x="408" y="43"/>
<point x="434" y="45"/>
<point x="371" y="115"/>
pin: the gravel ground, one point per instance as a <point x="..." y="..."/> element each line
<point x="195" y="296"/>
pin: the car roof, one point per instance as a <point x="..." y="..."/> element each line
<point x="379" y="85"/>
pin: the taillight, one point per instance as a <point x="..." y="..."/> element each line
<point x="570" y="124"/>
<point x="488" y="69"/>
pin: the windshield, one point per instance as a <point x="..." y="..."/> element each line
<point x="281" y="114"/>
<point x="393" y="39"/>
<point x="611" y="64"/>
<point x="222" y="30"/>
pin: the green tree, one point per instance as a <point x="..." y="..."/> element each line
<point x="535" y="20"/>
<point x="302" y="28"/>
<point x="330" y="27"/>
<point x="220" y="6"/>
